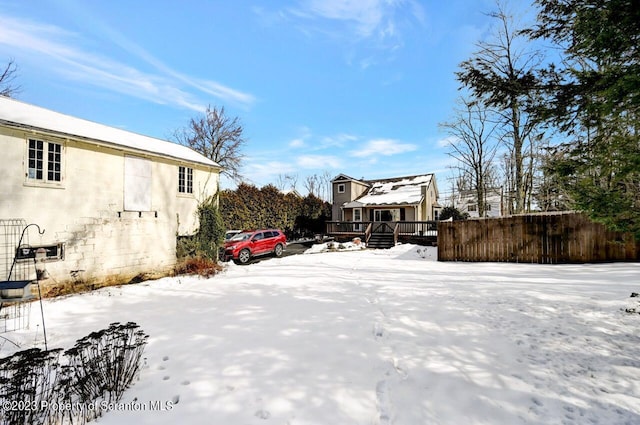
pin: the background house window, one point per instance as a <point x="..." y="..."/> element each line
<point x="185" y="180"/>
<point x="472" y="207"/>
<point x="341" y="188"/>
<point x="38" y="168"/>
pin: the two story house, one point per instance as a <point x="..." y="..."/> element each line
<point x="410" y="198"/>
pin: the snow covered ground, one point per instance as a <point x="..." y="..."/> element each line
<point x="374" y="337"/>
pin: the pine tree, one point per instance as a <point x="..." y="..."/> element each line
<point x="594" y="97"/>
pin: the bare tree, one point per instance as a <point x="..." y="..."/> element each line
<point x="286" y="181"/>
<point x="474" y="146"/>
<point x="7" y="78"/>
<point x="312" y="184"/>
<point x="319" y="185"/>
<point x="327" y="185"/>
<point x="293" y="180"/>
<point x="281" y="182"/>
<point x="218" y="137"/>
<point x="502" y="75"/>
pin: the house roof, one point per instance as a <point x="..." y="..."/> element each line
<point x="344" y="177"/>
<point x="396" y="191"/>
<point x="291" y="191"/>
<point x="493" y="194"/>
<point x="17" y="114"/>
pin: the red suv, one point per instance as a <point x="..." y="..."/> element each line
<point x="248" y="244"/>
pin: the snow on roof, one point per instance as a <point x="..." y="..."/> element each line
<point x="397" y="191"/>
<point x="291" y="191"/>
<point x="344" y="177"/>
<point x="23" y="115"/>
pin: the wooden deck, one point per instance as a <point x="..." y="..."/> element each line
<point x="418" y="232"/>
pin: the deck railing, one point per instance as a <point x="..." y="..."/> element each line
<point x="404" y="228"/>
<point x="367" y="233"/>
<point x="347" y="227"/>
<point x="418" y="228"/>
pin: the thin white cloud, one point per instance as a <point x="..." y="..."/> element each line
<point x="60" y="50"/>
<point x="367" y="15"/>
<point x="338" y="140"/>
<point x="296" y="143"/>
<point x="304" y="134"/>
<point x="365" y="18"/>
<point x="384" y="147"/>
<point x="322" y="162"/>
<point x="260" y="172"/>
<point x="447" y="141"/>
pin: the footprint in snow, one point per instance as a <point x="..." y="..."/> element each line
<point x="165" y="358"/>
<point x="400" y="369"/>
<point x="262" y="414"/>
<point x="166" y="378"/>
<point x="383" y="402"/>
<point x="185" y="382"/>
<point x="176" y="399"/>
<point x="378" y="330"/>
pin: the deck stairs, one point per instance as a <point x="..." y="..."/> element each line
<point x="382" y="236"/>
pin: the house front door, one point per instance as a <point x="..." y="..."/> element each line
<point x="383" y="215"/>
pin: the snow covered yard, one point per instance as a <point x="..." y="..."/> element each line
<point x="375" y="337"/>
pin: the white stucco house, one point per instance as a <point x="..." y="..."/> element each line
<point x="467" y="202"/>
<point x="112" y="201"/>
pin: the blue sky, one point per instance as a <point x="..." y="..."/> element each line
<point x="339" y="86"/>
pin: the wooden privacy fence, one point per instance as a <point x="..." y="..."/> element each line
<point x="538" y="238"/>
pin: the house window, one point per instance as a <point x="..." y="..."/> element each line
<point x="341" y="188"/>
<point x="39" y="168"/>
<point x="54" y="156"/>
<point x="472" y="207"/>
<point x="185" y="180"/>
<point x="487" y="207"/>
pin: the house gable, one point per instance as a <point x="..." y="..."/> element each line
<point x="345" y="189"/>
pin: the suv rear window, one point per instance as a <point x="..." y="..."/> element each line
<point x="241" y="237"/>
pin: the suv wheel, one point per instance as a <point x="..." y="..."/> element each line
<point x="244" y="256"/>
<point x="278" y="250"/>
